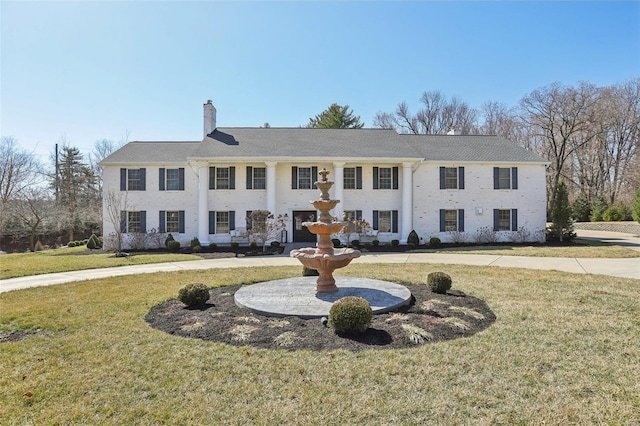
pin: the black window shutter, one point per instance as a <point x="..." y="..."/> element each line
<point x="181" y="179"/>
<point x="232" y="177"/>
<point x="181" y="221"/>
<point x="249" y="222"/>
<point x="212" y="222"/>
<point x="496" y="220"/>
<point x="496" y="178"/>
<point x="143" y="221"/>
<point x="143" y="179"/>
<point x="514" y="178"/>
<point x="314" y="177"/>
<point x="123" y="221"/>
<point x="442" y="179"/>
<point x="123" y="179"/>
<point x="212" y="178"/>
<point x="461" y="220"/>
<point x="514" y="219"/>
<point x="249" y="177"/>
<point x="375" y="179"/>
<point x="375" y="220"/>
<point x="358" y="214"/>
<point x="161" y="179"/>
<point x="358" y="177"/>
<point x="442" y="223"/>
<point x="162" y="221"/>
<point x="232" y="220"/>
<point x="294" y="177"/>
<point x="394" y="220"/>
<point x="460" y="177"/>
<point x="395" y="178"/>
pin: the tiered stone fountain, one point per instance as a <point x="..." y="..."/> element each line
<point x="325" y="258"/>
<point x="306" y="297"/>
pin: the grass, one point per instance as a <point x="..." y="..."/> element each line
<point x="581" y="248"/>
<point x="565" y="349"/>
<point x="68" y="259"/>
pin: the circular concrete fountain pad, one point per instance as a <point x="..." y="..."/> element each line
<point x="297" y="296"/>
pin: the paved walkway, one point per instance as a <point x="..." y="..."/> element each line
<point x="626" y="268"/>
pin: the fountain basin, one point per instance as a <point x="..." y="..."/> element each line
<point x="321" y="228"/>
<point x="325" y="264"/>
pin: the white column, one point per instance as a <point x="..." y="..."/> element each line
<point x="203" y="203"/>
<point x="338" y="188"/>
<point x="407" y="202"/>
<point x="271" y="187"/>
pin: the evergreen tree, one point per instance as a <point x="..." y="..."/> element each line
<point x="635" y="210"/>
<point x="77" y="199"/>
<point x="336" y="117"/>
<point x="562" y="224"/>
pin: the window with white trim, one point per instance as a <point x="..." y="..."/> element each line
<point x="173" y="221"/>
<point x="451" y="220"/>
<point x="505" y="178"/>
<point x="134" y="223"/>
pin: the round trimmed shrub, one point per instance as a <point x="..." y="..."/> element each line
<point x="173" y="246"/>
<point x="355" y="243"/>
<point x="395" y="243"/>
<point x="435" y="242"/>
<point x="196" y="249"/>
<point x="336" y="243"/>
<point x="194" y="295"/>
<point x="350" y="315"/>
<point x="195" y="242"/>
<point x="375" y="242"/>
<point x="167" y="240"/>
<point x="439" y="282"/>
<point x="253" y="244"/>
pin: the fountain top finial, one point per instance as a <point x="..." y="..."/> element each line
<point x="323" y="174"/>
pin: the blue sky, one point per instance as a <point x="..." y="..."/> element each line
<point x="92" y="70"/>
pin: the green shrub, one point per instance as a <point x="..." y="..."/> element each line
<point x="355" y="243"/>
<point x="71" y="244"/>
<point x="413" y="238"/>
<point x="336" y="242"/>
<point x="253" y="244"/>
<point x="439" y="282"/>
<point x="196" y="249"/>
<point x="625" y="212"/>
<point x="84" y="242"/>
<point x="375" y="242"/>
<point x="581" y="209"/>
<point x="369" y="245"/>
<point x="195" y="242"/>
<point x="94" y="242"/>
<point x="213" y="246"/>
<point x="434" y="242"/>
<point x="350" y="315"/>
<point x="173" y="246"/>
<point x="275" y="244"/>
<point x="309" y="272"/>
<point x="38" y="246"/>
<point x="611" y="214"/>
<point x="194" y="295"/>
<point x="235" y="245"/>
<point x="167" y="240"/>
<point x="395" y="243"/>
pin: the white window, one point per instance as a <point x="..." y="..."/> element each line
<point x="173" y="221"/>
<point x="134" y="179"/>
<point x="451" y="220"/>
<point x="505" y="178"/>
<point x="304" y="178"/>
<point x="222" y="222"/>
<point x="384" y="221"/>
<point x="349" y="178"/>
<point x="222" y="178"/>
<point x="134" y="223"/>
<point x="259" y="178"/>
<point x="385" y="178"/>
<point x="451" y="178"/>
<point x="504" y="219"/>
<point x="173" y="179"/>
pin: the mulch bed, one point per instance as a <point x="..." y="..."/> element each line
<point x="440" y="317"/>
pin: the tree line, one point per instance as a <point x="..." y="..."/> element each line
<point x="589" y="134"/>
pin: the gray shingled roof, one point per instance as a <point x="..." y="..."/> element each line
<point x="279" y="143"/>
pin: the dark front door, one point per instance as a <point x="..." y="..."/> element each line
<point x="300" y="233"/>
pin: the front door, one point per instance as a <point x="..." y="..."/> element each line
<point x="300" y="233"/>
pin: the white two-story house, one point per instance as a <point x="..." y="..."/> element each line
<point x="451" y="187"/>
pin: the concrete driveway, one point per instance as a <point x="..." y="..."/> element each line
<point x="624" y="268"/>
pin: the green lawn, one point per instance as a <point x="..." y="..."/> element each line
<point x="68" y="259"/>
<point x="581" y="248"/>
<point x="565" y="349"/>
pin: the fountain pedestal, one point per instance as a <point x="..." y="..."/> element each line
<point x="324" y="258"/>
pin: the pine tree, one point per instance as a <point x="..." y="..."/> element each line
<point x="562" y="224"/>
<point x="336" y="117"/>
<point x="635" y="210"/>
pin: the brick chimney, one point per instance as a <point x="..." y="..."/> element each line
<point x="209" y="118"/>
